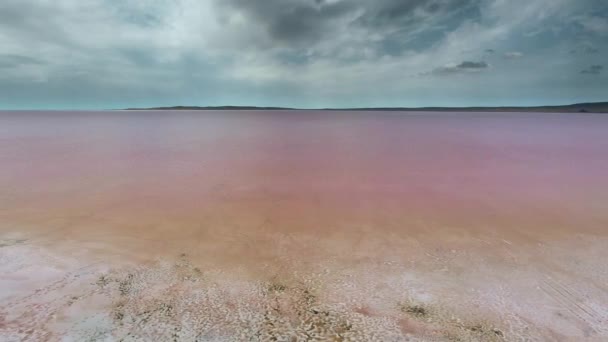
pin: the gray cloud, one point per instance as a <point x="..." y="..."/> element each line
<point x="591" y="50"/>
<point x="464" y="67"/>
<point x="585" y="48"/>
<point x="12" y="61"/>
<point x="472" y="65"/>
<point x="594" y="24"/>
<point x="593" y="70"/>
<point x="513" y="55"/>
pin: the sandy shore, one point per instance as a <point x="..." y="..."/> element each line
<point x="270" y="227"/>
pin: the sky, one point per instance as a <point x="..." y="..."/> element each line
<point x="107" y="54"/>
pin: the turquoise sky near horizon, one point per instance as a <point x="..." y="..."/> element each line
<point x="106" y="54"/>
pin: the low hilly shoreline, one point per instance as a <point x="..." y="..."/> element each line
<point x="596" y="107"/>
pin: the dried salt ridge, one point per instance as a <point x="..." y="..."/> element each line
<point x="177" y="301"/>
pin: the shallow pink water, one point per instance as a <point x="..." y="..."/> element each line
<point x="420" y="161"/>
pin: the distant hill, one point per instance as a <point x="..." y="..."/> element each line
<point x="213" y="108"/>
<point x="596" y="107"/>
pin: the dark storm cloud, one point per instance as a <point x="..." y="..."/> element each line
<point x="389" y="12"/>
<point x="295" y="23"/>
<point x="392" y="13"/>
<point x="593" y="70"/>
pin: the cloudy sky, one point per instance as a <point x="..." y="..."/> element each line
<point x="301" y="53"/>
